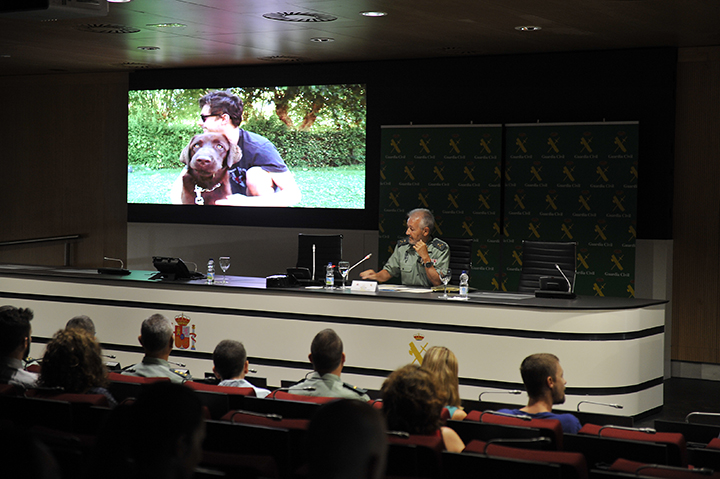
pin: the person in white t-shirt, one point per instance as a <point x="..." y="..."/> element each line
<point x="230" y="365"/>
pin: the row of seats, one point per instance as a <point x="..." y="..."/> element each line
<point x="265" y="437"/>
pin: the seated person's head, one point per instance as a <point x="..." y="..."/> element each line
<point x="156" y="334"/>
<point x="347" y="440"/>
<point x="444" y="364"/>
<point x="221" y="102"/>
<point x="82" y="322"/>
<point x="73" y="362"/>
<point x="326" y="351"/>
<point x="412" y="400"/>
<point x="169" y="430"/>
<point x="15" y="331"/>
<point x="535" y="371"/>
<point x="230" y="360"/>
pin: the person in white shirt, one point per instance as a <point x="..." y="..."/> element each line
<point x="230" y="365"/>
<point x="15" y="339"/>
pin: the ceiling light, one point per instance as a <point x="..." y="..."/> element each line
<point x="119" y="1"/>
<point x="528" y="28"/>
<point x="322" y="39"/>
<point x="148" y="49"/>
<point x="299" y="17"/>
<point x="373" y="14"/>
<point x="166" y="25"/>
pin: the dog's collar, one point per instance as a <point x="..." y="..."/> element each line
<point x="199" y="200"/>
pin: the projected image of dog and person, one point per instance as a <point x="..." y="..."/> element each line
<point x="299" y="146"/>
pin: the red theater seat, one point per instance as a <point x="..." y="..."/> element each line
<point x="548" y="427"/>
<point x="298" y="397"/>
<point x="197" y="386"/>
<point x="414" y="455"/>
<point x="677" y="447"/>
<point x="656" y="470"/>
<point x="267" y="420"/>
<point x="573" y="464"/>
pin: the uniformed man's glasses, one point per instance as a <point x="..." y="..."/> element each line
<point x="205" y="117"/>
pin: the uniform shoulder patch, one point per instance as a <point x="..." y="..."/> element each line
<point x="439" y="244"/>
<point x="355" y="388"/>
<point x="402" y="242"/>
<point x="181" y="372"/>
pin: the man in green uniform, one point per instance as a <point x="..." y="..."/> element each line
<point x="417" y="258"/>
<point x="327" y="358"/>
<point x="156" y="338"/>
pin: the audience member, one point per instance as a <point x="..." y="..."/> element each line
<point x="82" y="322"/>
<point x="156" y="338"/>
<point x="413" y="400"/>
<point x="545" y="385"/>
<point x="15" y="339"/>
<point x="327" y="358"/>
<point x="159" y="436"/>
<point x="347" y="440"/>
<point x="230" y="366"/>
<point x="72" y="361"/>
<point x="444" y="364"/>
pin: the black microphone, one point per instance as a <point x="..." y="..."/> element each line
<point x="566" y="278"/>
<point x="182" y="365"/>
<point x="274" y="417"/>
<point x="111" y="356"/>
<point x="697" y="413"/>
<point x="506" y="414"/>
<point x="121" y="271"/>
<point x="514" y="392"/>
<point x="616" y="406"/>
<point x="646" y="430"/>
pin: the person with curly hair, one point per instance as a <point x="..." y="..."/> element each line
<point x="444" y="364"/>
<point x="413" y="399"/>
<point x="73" y="362"/>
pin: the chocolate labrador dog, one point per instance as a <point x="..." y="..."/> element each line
<point x="208" y="157"/>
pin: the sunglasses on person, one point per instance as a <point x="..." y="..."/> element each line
<point x="205" y="117"/>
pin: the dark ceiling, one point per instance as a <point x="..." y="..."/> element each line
<point x="237" y="32"/>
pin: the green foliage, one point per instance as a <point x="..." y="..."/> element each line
<point x="312" y="148"/>
<point x="157" y="145"/>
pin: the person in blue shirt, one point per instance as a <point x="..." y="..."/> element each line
<point x="545" y="385"/>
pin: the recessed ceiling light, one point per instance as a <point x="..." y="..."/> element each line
<point x="166" y="25"/>
<point x="322" y="39"/>
<point x="299" y="17"/>
<point x="148" y="49"/>
<point x="119" y="1"/>
<point x="528" y="28"/>
<point x="373" y="14"/>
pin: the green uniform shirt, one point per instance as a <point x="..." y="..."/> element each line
<point x="328" y="385"/>
<point x="406" y="263"/>
<point x="157" y="368"/>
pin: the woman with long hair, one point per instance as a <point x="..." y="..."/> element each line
<point x="413" y="400"/>
<point x="73" y="362"/>
<point x="440" y="361"/>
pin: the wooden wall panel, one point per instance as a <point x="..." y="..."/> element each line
<point x="64" y="163"/>
<point x="696" y="217"/>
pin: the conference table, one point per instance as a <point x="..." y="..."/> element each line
<point x="611" y="349"/>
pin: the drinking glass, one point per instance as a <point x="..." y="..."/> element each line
<point x="445" y="278"/>
<point x="224" y="265"/>
<point x="343" y="267"/>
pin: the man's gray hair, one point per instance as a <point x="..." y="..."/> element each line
<point x="156" y="332"/>
<point x="426" y="218"/>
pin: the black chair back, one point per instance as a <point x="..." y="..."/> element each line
<point x="328" y="249"/>
<point x="460" y="256"/>
<point x="539" y="259"/>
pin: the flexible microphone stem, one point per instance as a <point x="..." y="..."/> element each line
<point x="313" y="262"/>
<point x="512" y="391"/>
<point x="122" y="264"/>
<point x="350" y="269"/>
<point x="616" y="406"/>
<point x="566" y="278"/>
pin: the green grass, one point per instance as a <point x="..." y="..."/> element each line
<point x="329" y="187"/>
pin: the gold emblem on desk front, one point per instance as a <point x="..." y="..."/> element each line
<point x="414" y="351"/>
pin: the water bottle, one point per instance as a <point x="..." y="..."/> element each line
<point x="329" y="276"/>
<point x="211" y="272"/>
<point x="464" y="284"/>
